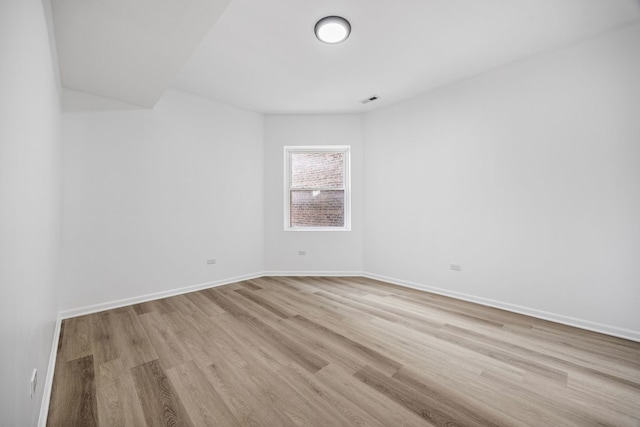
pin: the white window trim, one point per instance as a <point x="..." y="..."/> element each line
<point x="346" y="149"/>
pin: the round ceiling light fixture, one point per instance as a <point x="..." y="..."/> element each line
<point x="332" y="29"/>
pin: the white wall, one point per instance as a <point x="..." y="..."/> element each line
<point x="528" y="176"/>
<point x="150" y="195"/>
<point x="326" y="251"/>
<point x="29" y="206"/>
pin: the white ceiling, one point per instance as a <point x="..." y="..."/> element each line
<point x="262" y="55"/>
<point x="128" y="50"/>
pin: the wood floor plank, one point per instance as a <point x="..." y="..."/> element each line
<point x="166" y="344"/>
<point x="289" y="347"/>
<point x="248" y="388"/>
<point x="301" y="397"/>
<point x="330" y="404"/>
<point x="161" y="404"/>
<point x="103" y="347"/>
<point x="338" y="351"/>
<point x="74" y="399"/>
<point x="203" y="303"/>
<point x="192" y="332"/>
<point x="367" y="354"/>
<point x="77" y="342"/>
<point x="269" y="305"/>
<point x="528" y="354"/>
<point x="432" y="409"/>
<point x="132" y="341"/>
<point x="456" y="399"/>
<point x="118" y="403"/>
<point x="346" y="389"/>
<point x="248" y="284"/>
<point x="203" y="402"/>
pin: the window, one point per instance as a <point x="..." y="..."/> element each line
<point x="317" y="196"/>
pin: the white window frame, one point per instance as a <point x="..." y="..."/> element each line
<point x="346" y="150"/>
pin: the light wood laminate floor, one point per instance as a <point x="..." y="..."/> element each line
<point x="336" y="352"/>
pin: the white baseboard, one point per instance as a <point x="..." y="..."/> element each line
<point x="48" y="382"/>
<point x="313" y="273"/>
<point x="540" y="314"/>
<point x="81" y="311"/>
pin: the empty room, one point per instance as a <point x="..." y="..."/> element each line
<point x="305" y="213"/>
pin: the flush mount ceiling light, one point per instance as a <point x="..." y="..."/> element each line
<point x="332" y="29"/>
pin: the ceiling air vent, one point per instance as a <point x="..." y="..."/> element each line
<point x="370" y="99"/>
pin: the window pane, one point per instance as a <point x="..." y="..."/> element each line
<point x="317" y="170"/>
<point x="317" y="208"/>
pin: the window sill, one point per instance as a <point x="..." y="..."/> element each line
<point x="317" y="229"/>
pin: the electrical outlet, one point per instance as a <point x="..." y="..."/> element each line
<point x="211" y="261"/>
<point x="302" y="252"/>
<point x="456" y="267"/>
<point x="33" y="382"/>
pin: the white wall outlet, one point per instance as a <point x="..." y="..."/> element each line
<point x="211" y="261"/>
<point x="33" y="382"/>
<point x="302" y="252"/>
<point x="456" y="267"/>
